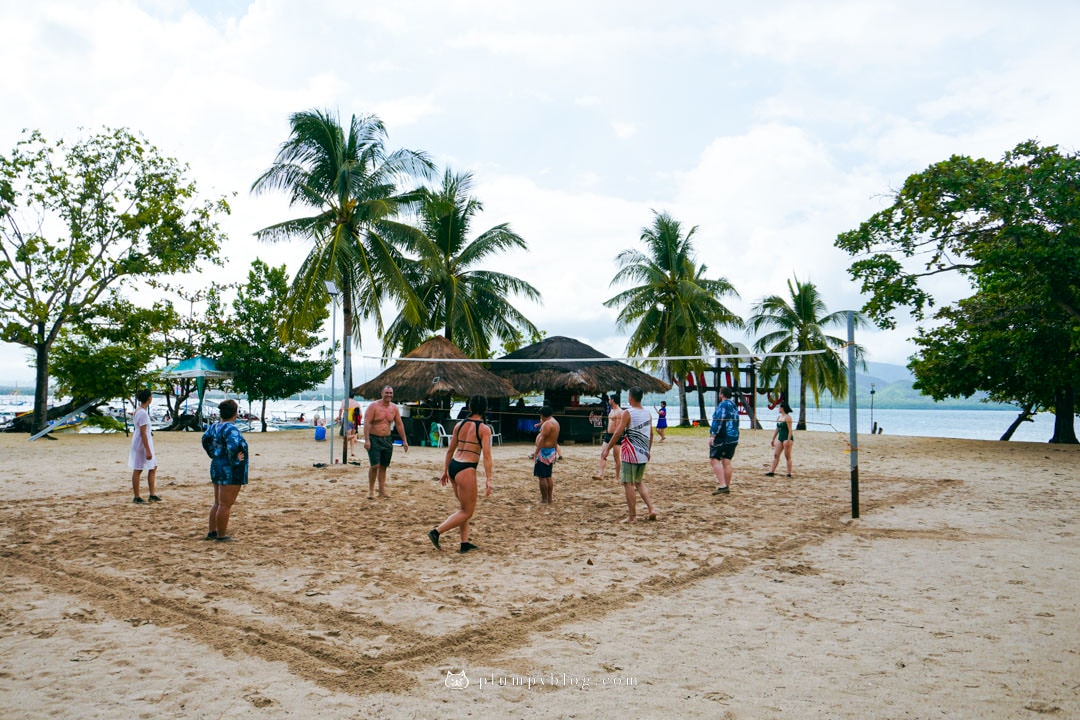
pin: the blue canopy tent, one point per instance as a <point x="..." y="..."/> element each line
<point x="200" y="368"/>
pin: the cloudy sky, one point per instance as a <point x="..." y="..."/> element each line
<point x="772" y="127"/>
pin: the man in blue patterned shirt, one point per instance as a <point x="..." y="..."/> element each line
<point x="723" y="439"/>
<point x="228" y="453"/>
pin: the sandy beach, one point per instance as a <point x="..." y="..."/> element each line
<point x="956" y="594"/>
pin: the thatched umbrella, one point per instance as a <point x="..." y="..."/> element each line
<point x="591" y="375"/>
<point x="416" y="381"/>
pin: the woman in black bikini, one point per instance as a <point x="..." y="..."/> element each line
<point x="470" y="439"/>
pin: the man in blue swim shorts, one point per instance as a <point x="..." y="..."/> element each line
<point x="547" y="452"/>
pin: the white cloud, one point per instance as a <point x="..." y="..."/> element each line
<point x="623" y="130"/>
<point x="400" y="112"/>
<point x="771" y="127"/>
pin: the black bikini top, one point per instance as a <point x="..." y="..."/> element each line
<point x="476" y="437"/>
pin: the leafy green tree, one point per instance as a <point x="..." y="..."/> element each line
<point x="265" y="366"/>
<point x="79" y="222"/>
<point x="677" y="309"/>
<point x="127" y="347"/>
<point x="798" y="323"/>
<point x="980" y="343"/>
<point x="1012" y="230"/>
<point x="111" y="357"/>
<point x="469" y="305"/>
<point x="350" y="180"/>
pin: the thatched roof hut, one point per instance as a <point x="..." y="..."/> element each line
<point x="591" y="375"/>
<point x="436" y="375"/>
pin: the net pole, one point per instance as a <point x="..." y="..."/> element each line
<point x="853" y="416"/>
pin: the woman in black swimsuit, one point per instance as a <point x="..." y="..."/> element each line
<point x="470" y="439"/>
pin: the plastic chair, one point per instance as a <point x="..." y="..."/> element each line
<point x="495" y="436"/>
<point x="443" y="435"/>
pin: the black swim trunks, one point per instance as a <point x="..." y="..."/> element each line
<point x="724" y="451"/>
<point x="381" y="450"/>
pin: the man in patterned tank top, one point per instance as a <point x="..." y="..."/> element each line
<point x="635" y="430"/>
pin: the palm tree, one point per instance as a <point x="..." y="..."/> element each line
<point x="798" y="324"/>
<point x="350" y="180"/>
<point x="469" y="305"/>
<point x="677" y="308"/>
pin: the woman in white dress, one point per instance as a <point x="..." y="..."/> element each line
<point x="141" y="456"/>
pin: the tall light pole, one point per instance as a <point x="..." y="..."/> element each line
<point x="333" y="292"/>
<point x="873" y="428"/>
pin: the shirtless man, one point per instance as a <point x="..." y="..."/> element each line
<point x="547" y="452"/>
<point x="613" y="415"/>
<point x="379" y="420"/>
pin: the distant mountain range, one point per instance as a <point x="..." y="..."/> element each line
<point x="885" y="374"/>
<point x="892" y="386"/>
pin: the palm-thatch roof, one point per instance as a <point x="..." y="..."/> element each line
<point x="590" y="375"/>
<point x="418" y="381"/>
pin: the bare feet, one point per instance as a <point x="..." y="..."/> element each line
<point x="628" y="520"/>
<point x="652" y="517"/>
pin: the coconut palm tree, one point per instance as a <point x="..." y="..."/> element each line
<point x="350" y="181"/>
<point x="798" y="324"/>
<point x="468" y="305"/>
<point x="678" y="310"/>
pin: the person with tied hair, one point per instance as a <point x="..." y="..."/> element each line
<point x="228" y="453"/>
<point x="661" y="422"/>
<point x="782" y="439"/>
<point x="141" y="457"/>
<point x="470" y="440"/>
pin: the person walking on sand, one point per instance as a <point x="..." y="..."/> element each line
<point x="470" y="440"/>
<point x="723" y="439"/>
<point x="546" y="453"/>
<point x="635" y="433"/>
<point x="141" y="456"/>
<point x="381" y="417"/>
<point x="614" y="414"/>
<point x="228" y="451"/>
<point x="349" y="419"/>
<point x="782" y="439"/>
<point x="661" y="420"/>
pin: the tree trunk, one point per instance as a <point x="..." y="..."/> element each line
<point x="1064" y="410"/>
<point x="684" y="410"/>
<point x="1024" y="416"/>
<point x="41" y="386"/>
<point x="801" y="425"/>
<point x="701" y="404"/>
<point x="262" y="415"/>
<point x="346" y="351"/>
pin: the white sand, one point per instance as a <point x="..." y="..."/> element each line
<point x="953" y="596"/>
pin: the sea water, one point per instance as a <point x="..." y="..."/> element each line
<point x="969" y="424"/>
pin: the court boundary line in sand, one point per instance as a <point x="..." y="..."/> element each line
<point x="336" y="667"/>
